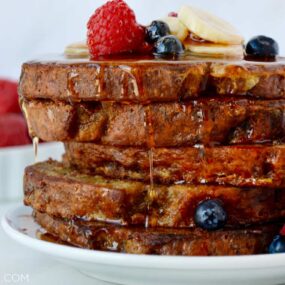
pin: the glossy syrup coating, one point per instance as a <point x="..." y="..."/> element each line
<point x="241" y="166"/>
<point x="144" y="79"/>
<point x="211" y="121"/>
<point x="49" y="188"/>
<point x="138" y="240"/>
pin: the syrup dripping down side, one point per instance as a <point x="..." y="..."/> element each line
<point x="150" y="142"/>
<point x="36" y="147"/>
<point x="35" y="139"/>
<point x="131" y="74"/>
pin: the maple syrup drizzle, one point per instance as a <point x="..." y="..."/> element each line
<point x="129" y="75"/>
<point x="26" y="115"/>
<point x="71" y="86"/>
<point x="138" y="92"/>
<point x="30" y="130"/>
<point x="50" y="238"/>
<point x="150" y="142"/>
<point x="36" y="147"/>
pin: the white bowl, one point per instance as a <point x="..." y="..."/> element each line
<point x="132" y="269"/>
<point x="13" y="161"/>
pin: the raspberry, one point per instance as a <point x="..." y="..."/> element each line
<point x="8" y="97"/>
<point x="173" y="14"/>
<point x="13" y="130"/>
<point x="113" y="29"/>
<point x="146" y="48"/>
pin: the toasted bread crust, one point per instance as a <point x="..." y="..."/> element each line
<point x="63" y="192"/>
<point x="191" y="242"/>
<point x="205" y="121"/>
<point x="150" y="80"/>
<point x="242" y="166"/>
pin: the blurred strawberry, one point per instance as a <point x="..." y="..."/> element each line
<point x="13" y="130"/>
<point x="9" y="97"/>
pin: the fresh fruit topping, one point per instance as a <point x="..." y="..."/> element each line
<point x="77" y="50"/>
<point x="214" y="50"/>
<point x="277" y="245"/>
<point x="208" y="26"/>
<point x="157" y="30"/>
<point x="13" y="130"/>
<point x="195" y="38"/>
<point x="9" y="97"/>
<point x="168" y="45"/>
<point x="282" y="232"/>
<point x="113" y="29"/>
<point x="177" y="28"/>
<point x="146" y="48"/>
<point x="262" y="47"/>
<point x="210" y="215"/>
<point x="173" y="14"/>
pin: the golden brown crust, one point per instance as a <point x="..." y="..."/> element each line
<point x="59" y="191"/>
<point x="149" y="81"/>
<point x="259" y="166"/>
<point x="195" y="242"/>
<point x="205" y="121"/>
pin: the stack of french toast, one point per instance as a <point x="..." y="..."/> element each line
<point x="179" y="156"/>
<point x="200" y="130"/>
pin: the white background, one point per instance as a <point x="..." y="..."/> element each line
<point x="29" y="28"/>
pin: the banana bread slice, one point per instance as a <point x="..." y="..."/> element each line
<point x="242" y="166"/>
<point x="205" y="121"/>
<point x="150" y="80"/>
<point x="160" y="241"/>
<point x="63" y="192"/>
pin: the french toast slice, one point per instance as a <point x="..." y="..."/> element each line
<point x="150" y="80"/>
<point x="159" y="241"/>
<point x="241" y="166"/>
<point x="208" y="121"/>
<point x="51" y="188"/>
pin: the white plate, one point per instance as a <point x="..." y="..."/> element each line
<point x="146" y="269"/>
<point x="13" y="161"/>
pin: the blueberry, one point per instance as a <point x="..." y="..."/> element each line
<point x="263" y="47"/>
<point x="277" y="245"/>
<point x="157" y="30"/>
<point x="210" y="215"/>
<point x="168" y="45"/>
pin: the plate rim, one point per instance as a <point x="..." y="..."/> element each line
<point x="249" y="262"/>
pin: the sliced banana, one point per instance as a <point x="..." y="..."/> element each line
<point x="79" y="49"/>
<point x="216" y="50"/>
<point x="208" y="26"/>
<point x="177" y="28"/>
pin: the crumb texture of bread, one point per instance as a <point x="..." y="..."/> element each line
<point x="64" y="192"/>
<point x="194" y="242"/>
<point x="208" y="121"/>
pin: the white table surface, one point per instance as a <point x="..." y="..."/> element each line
<point x="17" y="260"/>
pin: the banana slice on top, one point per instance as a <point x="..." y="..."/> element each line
<point x="214" y="50"/>
<point x="177" y="28"/>
<point x="208" y="26"/>
<point x="79" y="49"/>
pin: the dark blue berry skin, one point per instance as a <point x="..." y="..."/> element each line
<point x="210" y="215"/>
<point x="277" y="245"/>
<point x="157" y="30"/>
<point x="168" y="45"/>
<point x="262" y="47"/>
